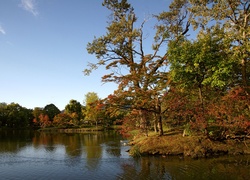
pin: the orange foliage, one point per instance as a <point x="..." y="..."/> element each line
<point x="44" y="120"/>
<point x="64" y="120"/>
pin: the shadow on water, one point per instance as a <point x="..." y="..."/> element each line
<point x="101" y="155"/>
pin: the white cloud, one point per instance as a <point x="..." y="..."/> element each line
<point x="30" y="6"/>
<point x="2" y="30"/>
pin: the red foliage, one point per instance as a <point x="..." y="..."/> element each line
<point x="128" y="124"/>
<point x="233" y="111"/>
<point x="181" y="109"/>
<point x="136" y="120"/>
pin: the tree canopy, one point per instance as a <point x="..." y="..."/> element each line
<point x="74" y="107"/>
<point x="51" y="110"/>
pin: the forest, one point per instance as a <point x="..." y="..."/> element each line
<point x="194" y="79"/>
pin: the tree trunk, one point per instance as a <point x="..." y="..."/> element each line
<point x="143" y="122"/>
<point x="159" y="116"/>
<point x="244" y="73"/>
<point x="203" y="110"/>
<point x="156" y="124"/>
<point x="200" y="96"/>
<point x="160" y="125"/>
<point x="201" y="100"/>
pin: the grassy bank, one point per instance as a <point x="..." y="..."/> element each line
<point x="194" y="146"/>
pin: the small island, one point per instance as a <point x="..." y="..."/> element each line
<point x="198" y="146"/>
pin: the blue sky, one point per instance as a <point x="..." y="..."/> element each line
<point x="43" y="49"/>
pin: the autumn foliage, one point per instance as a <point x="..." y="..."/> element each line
<point x="63" y="120"/>
<point x="232" y="112"/>
<point x="42" y="121"/>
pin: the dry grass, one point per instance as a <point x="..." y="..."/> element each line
<point x="193" y="146"/>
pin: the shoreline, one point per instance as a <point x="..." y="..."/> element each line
<point x="78" y="129"/>
<point x="188" y="146"/>
<point x="170" y="144"/>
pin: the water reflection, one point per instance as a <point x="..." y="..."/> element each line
<point x="220" y="168"/>
<point x="89" y="144"/>
<point x="13" y="140"/>
<point x="101" y="155"/>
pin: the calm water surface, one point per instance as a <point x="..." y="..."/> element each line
<point x="101" y="155"/>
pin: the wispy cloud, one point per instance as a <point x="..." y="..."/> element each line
<point x="30" y="6"/>
<point x="2" y="30"/>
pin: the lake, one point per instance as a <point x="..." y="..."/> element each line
<point x="101" y="155"/>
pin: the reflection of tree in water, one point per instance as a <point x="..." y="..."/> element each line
<point x="114" y="149"/>
<point x="113" y="144"/>
<point x="72" y="144"/>
<point x="93" y="150"/>
<point x="14" y="140"/>
<point x="50" y="145"/>
<point x="47" y="140"/>
<point x="129" y="171"/>
<point x="144" y="168"/>
<point x="188" y="169"/>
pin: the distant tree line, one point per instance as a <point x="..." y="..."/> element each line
<point x="74" y="115"/>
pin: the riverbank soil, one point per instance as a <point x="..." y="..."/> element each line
<point x="194" y="146"/>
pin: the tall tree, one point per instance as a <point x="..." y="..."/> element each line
<point x="201" y="63"/>
<point x="37" y="111"/>
<point x="141" y="76"/>
<point x="201" y="67"/>
<point x="75" y="109"/>
<point x="91" y="102"/>
<point x="51" y="110"/>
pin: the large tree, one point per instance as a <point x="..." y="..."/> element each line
<point x="37" y="111"/>
<point x="74" y="108"/>
<point x="202" y="62"/>
<point x="51" y="110"/>
<point x="141" y="75"/>
<point x="91" y="103"/>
